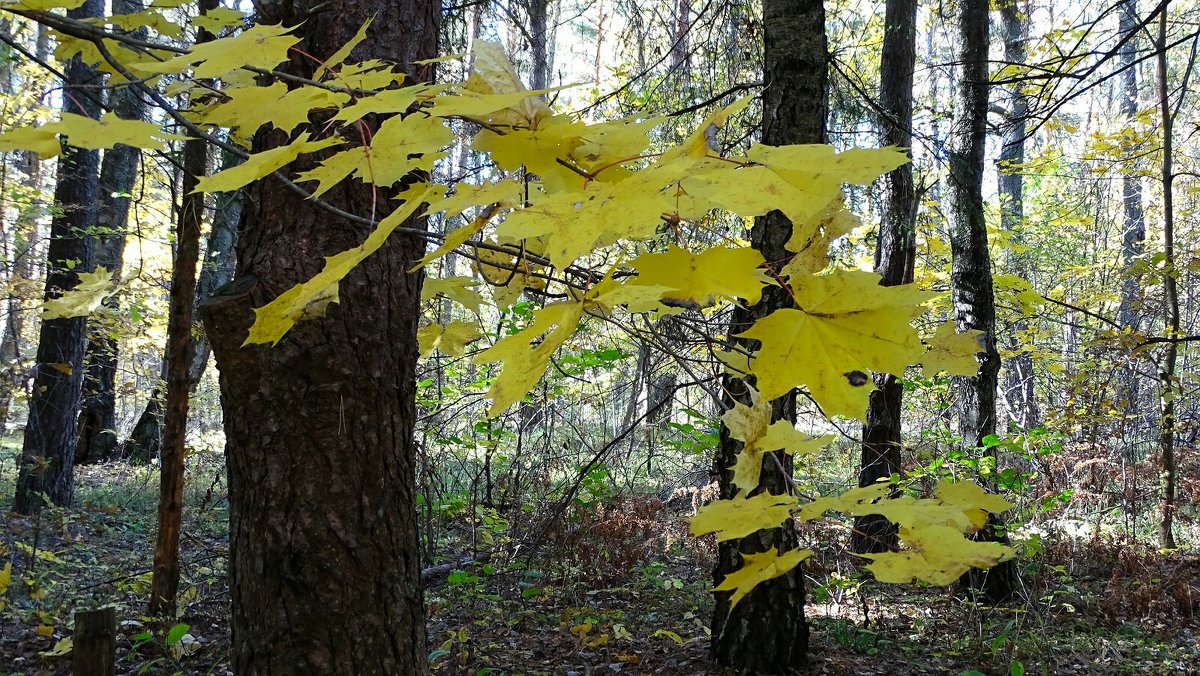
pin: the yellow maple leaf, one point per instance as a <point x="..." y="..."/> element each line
<point x="309" y="299"/>
<point x="247" y="108"/>
<point x="387" y="101"/>
<point x="526" y="355"/>
<point x="938" y="555"/>
<point x="342" y="52"/>
<point x="64" y="646"/>
<point x="42" y="140"/>
<point x="458" y="289"/>
<point x="41" y="5"/>
<point x="739" y="517"/>
<point x="451" y="339"/>
<point x="83" y="298"/>
<point x="259" y="165"/>
<point x="402" y="145"/>
<point x="971" y="499"/>
<point x="952" y="352"/>
<point x="698" y="280"/>
<point x="845" y="325"/>
<point x="216" y="19"/>
<point x="260" y="46"/>
<point x="759" y="568"/>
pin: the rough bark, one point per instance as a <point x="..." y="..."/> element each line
<point x="48" y="451"/>
<point x="164" y="585"/>
<point x="1133" y="235"/>
<point x="971" y="269"/>
<point x="1170" y="388"/>
<point x="895" y="255"/>
<point x="324" y="559"/>
<point x="118" y="173"/>
<point x="538" y="45"/>
<point x="1019" y="381"/>
<point x="766" y="632"/>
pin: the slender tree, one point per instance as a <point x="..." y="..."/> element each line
<point x="118" y="174"/>
<point x="164" y="584"/>
<point x="971" y="269"/>
<point x="1170" y="389"/>
<point x="48" y="451"/>
<point x="1019" y="381"/>
<point x="766" y="632"/>
<point x="1133" y="231"/>
<point x="324" y="558"/>
<point x="895" y="256"/>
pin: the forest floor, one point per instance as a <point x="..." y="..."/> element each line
<point x="623" y="592"/>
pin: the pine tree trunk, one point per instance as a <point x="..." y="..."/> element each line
<point x="324" y="559"/>
<point x="48" y="452"/>
<point x="766" y="632"/>
<point x="971" y="269"/>
<point x="118" y="173"/>
<point x="895" y="256"/>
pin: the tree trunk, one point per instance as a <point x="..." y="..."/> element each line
<point x="48" y="452"/>
<point x="324" y="559"/>
<point x="164" y="585"/>
<point x="145" y="441"/>
<point x="118" y="173"/>
<point x="538" y="44"/>
<point x="14" y="346"/>
<point x="1169" y="386"/>
<point x="971" y="269"/>
<point x="1019" y="372"/>
<point x="895" y="255"/>
<point x="766" y="632"/>
<point x="1133" y="240"/>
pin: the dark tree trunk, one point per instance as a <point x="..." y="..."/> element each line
<point x="538" y="44"/>
<point x="118" y="173"/>
<point x="1019" y="381"/>
<point x="164" y="585"/>
<point x="895" y="255"/>
<point x="324" y="558"/>
<point x="971" y="270"/>
<point x="766" y="632"/>
<point x="48" y="452"/>
<point x="1170" y="388"/>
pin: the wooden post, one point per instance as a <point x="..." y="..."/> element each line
<point x="95" y="643"/>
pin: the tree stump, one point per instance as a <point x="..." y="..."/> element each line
<point x="95" y="643"/>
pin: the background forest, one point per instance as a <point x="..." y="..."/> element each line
<point x="491" y="464"/>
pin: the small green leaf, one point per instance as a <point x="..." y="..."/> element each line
<point x="176" y="633"/>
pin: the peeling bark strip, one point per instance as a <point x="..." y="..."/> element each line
<point x="324" y="560"/>
<point x="766" y="632"/>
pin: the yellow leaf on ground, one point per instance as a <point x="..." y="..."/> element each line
<point x="759" y="568"/>
<point x="63" y="647"/>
